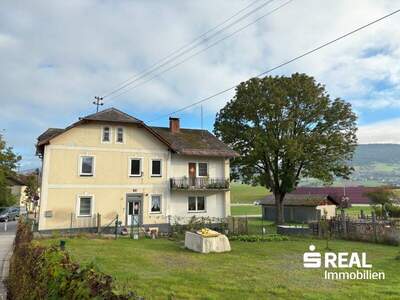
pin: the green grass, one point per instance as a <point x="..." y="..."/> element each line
<point x="246" y="210"/>
<point x="163" y="269"/>
<point x="244" y="193"/>
<point x="355" y="210"/>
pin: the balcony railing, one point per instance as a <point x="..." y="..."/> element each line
<point x="185" y="183"/>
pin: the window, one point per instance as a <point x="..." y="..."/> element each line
<point x="203" y="169"/>
<point x="135" y="167"/>
<point x="155" y="205"/>
<point x="87" y="166"/>
<point x="120" y="135"/>
<point x="85" y="206"/>
<point x="196" y="203"/>
<point x="156" y="167"/>
<point x="106" y="135"/>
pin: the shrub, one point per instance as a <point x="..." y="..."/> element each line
<point x="393" y="211"/>
<point x="259" y="238"/>
<point x="38" y="272"/>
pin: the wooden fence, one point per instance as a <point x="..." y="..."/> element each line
<point x="368" y="228"/>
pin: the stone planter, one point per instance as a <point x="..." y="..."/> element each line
<point x="199" y="243"/>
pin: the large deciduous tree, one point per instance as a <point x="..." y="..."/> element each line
<point x="286" y="128"/>
<point x="8" y="164"/>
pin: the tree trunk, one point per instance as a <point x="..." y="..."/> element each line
<point x="279" y="219"/>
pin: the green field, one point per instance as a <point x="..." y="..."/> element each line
<point x="354" y="211"/>
<point x="244" y="193"/>
<point x="246" y="210"/>
<point x="163" y="269"/>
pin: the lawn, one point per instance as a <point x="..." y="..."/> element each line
<point x="354" y="211"/>
<point x="244" y="193"/>
<point x="246" y="210"/>
<point x="163" y="269"/>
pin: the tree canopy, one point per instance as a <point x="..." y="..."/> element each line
<point x="286" y="128"/>
<point x="8" y="164"/>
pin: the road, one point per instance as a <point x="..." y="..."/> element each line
<point x="6" y="242"/>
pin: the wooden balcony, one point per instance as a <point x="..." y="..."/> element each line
<point x="199" y="183"/>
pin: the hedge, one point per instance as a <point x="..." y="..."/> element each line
<point x="259" y="238"/>
<point x="394" y="211"/>
<point x="38" y="272"/>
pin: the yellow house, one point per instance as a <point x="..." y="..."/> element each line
<point x="113" y="164"/>
<point x="17" y="187"/>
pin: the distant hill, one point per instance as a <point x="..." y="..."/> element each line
<point x="377" y="164"/>
<point x="374" y="164"/>
<point x="377" y="153"/>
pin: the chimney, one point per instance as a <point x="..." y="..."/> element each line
<point x="174" y="125"/>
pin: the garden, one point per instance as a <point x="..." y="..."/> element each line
<point x="254" y="269"/>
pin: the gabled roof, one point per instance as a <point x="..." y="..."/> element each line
<point x="300" y="200"/>
<point x="112" y="115"/>
<point x="355" y="194"/>
<point x="195" y="142"/>
<point x="186" y="141"/>
<point x="50" y="133"/>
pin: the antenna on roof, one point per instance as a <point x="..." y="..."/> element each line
<point x="98" y="102"/>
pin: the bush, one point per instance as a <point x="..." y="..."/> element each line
<point x="393" y="211"/>
<point x="259" y="238"/>
<point x="38" y="272"/>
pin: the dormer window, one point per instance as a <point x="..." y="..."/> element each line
<point x="120" y="135"/>
<point x="106" y="137"/>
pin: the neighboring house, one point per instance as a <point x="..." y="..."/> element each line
<point x="300" y="208"/>
<point x="111" y="163"/>
<point x="17" y="186"/>
<point x="351" y="194"/>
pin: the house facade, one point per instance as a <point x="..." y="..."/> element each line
<point x="113" y="164"/>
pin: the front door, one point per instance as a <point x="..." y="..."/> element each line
<point x="192" y="174"/>
<point x="134" y="210"/>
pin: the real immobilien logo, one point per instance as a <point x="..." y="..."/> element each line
<point x="341" y="260"/>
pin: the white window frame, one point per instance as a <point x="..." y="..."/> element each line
<point x="102" y="134"/>
<point x="78" y="205"/>
<point x="151" y="167"/>
<point x="198" y="169"/>
<point x="197" y="211"/>
<point x="123" y="135"/>
<point x="150" y="204"/>
<point x="81" y="156"/>
<point x="130" y="166"/>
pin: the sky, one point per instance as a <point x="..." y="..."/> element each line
<point x="56" y="56"/>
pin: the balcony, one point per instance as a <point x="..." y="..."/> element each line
<point x="210" y="184"/>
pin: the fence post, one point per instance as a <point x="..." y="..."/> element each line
<point x="116" y="227"/>
<point x="344" y="224"/>
<point x="319" y="226"/>
<point x="98" y="223"/>
<point x="374" y="225"/>
<point x="247" y="225"/>
<point x="70" y="226"/>
<point x="233" y="225"/>
<point x="362" y="214"/>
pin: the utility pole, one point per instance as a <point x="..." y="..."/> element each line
<point x="98" y="102"/>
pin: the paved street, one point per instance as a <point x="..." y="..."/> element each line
<point x="6" y="241"/>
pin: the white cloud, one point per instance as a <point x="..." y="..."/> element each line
<point x="57" y="55"/>
<point x="387" y="131"/>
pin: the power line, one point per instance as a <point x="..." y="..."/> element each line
<point x="284" y="63"/>
<point x="202" y="50"/>
<point x="197" y="41"/>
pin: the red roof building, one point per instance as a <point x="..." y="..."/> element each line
<point x="354" y="194"/>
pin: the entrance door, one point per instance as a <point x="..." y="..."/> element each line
<point x="192" y="174"/>
<point x="134" y="210"/>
